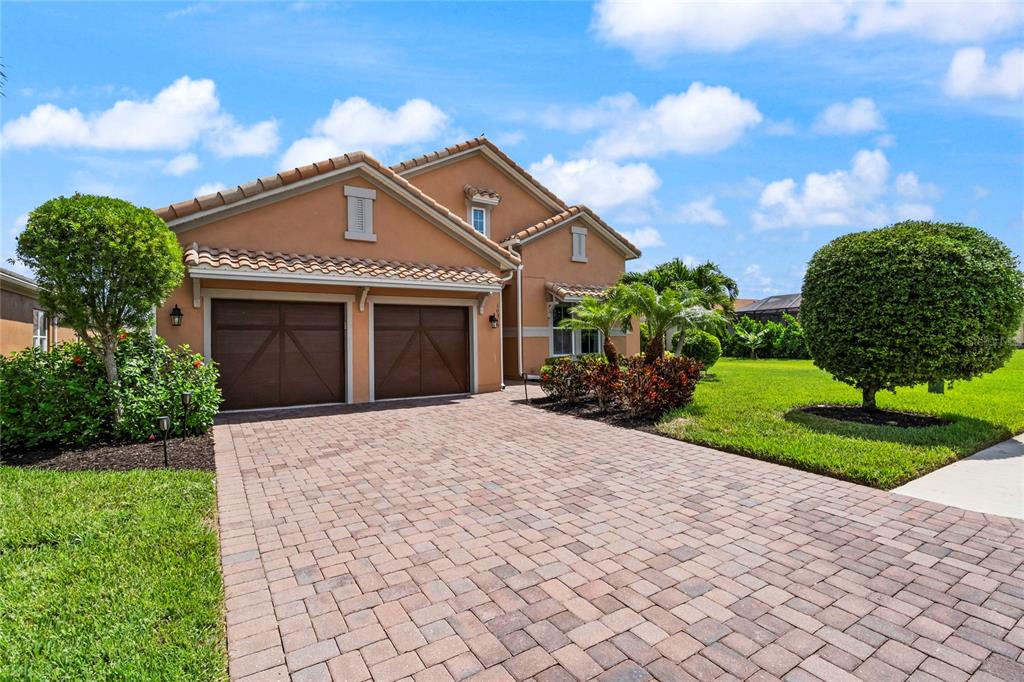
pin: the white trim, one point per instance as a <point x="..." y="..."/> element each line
<point x="528" y="332"/>
<point x="576" y="344"/>
<point x="360" y="236"/>
<point x="256" y="295"/>
<point x="197" y="294"/>
<point x="481" y="199"/>
<point x="308" y="278"/>
<point x="360" y="192"/>
<point x="579" y="255"/>
<point x="415" y="300"/>
<point x="487" y="218"/>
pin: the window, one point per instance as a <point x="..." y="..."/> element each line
<point x="479" y="219"/>
<point x="40" y="330"/>
<point x="360" y="214"/>
<point x="561" y="339"/>
<point x="590" y="341"/>
<point x="579" y="244"/>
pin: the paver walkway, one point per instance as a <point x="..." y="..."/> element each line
<point x="484" y="539"/>
<point x="990" y="481"/>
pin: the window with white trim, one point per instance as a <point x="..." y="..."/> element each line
<point x="579" y="244"/>
<point x="40" y="330"/>
<point x="360" y="214"/>
<point x="478" y="219"/>
<point x="572" y="341"/>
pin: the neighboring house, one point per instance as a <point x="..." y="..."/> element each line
<point x="23" y="323"/>
<point x="349" y="281"/>
<point x="771" y="308"/>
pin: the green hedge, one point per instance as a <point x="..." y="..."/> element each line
<point x="784" y="339"/>
<point x="62" y="396"/>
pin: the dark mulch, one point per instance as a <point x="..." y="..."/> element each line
<point x="588" y="410"/>
<point x="195" y="452"/>
<point x="855" y="413"/>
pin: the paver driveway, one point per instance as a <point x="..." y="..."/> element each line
<point x="480" y="538"/>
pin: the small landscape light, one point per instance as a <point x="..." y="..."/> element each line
<point x="186" y="402"/>
<point x="176" y="316"/>
<point x="164" y="424"/>
<point x="493" y="319"/>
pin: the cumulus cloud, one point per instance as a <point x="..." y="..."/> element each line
<point x="970" y="75"/>
<point x="598" y="183"/>
<point x="860" y="115"/>
<point x="701" y="212"/>
<point x="860" y="195"/>
<point x="181" y="164"/>
<point x="645" y="237"/>
<point x="702" y="120"/>
<point x="180" y="115"/>
<point x="652" y="29"/>
<point x="359" y="125"/>
<point x="603" y="113"/>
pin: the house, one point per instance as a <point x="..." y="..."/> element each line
<point x="771" y="308"/>
<point x="23" y="322"/>
<point x="350" y="281"/>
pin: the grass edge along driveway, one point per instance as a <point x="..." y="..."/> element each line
<point x="109" y="575"/>
<point x="748" y="408"/>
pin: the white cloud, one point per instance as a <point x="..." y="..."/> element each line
<point x="858" y="196"/>
<point x="701" y="212"/>
<point x="755" y="275"/>
<point x="209" y="188"/>
<point x="980" y="192"/>
<point x="645" y="237"/>
<point x="598" y="183"/>
<point x="605" y="112"/>
<point x="702" y="120"/>
<point x="970" y="75"/>
<point x="885" y="141"/>
<point x="359" y="125"/>
<point x="177" y="117"/>
<point x="509" y="139"/>
<point x="653" y="29"/>
<point x="181" y="164"/>
<point x="860" y="115"/>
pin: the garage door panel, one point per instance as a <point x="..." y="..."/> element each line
<point x="243" y="357"/>
<point x="443" y="367"/>
<point x="245" y="314"/>
<point x="310" y="376"/>
<point x="420" y="350"/>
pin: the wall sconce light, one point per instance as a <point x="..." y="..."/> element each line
<point x="176" y="316"/>
<point x="493" y="319"/>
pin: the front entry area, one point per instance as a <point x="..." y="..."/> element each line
<point x="420" y="350"/>
<point x="278" y="353"/>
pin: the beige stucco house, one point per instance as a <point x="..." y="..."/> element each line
<point x="23" y="321"/>
<point x="350" y="281"/>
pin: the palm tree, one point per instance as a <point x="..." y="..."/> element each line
<point x="676" y="307"/>
<point x="719" y="289"/>
<point x="602" y="315"/>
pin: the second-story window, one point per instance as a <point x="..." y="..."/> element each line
<point x="479" y="219"/>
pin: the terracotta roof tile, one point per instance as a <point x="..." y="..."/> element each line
<point x="244" y="191"/>
<point x="472" y="191"/>
<point x="563" y="291"/>
<point x="570" y="212"/>
<point x="264" y="261"/>
<point x="472" y="144"/>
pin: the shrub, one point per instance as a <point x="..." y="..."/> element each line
<point x="62" y="396"/>
<point x="911" y="303"/>
<point x="563" y="379"/>
<point x="703" y="347"/>
<point x="771" y="339"/>
<point x="601" y="379"/>
<point x="790" y="342"/>
<point x="650" y="389"/>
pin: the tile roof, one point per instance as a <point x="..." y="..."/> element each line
<point x="563" y="291"/>
<point x="472" y="191"/>
<point x="576" y="210"/>
<point x="224" y="197"/>
<point x="364" y="268"/>
<point x="481" y="141"/>
<point x="773" y="303"/>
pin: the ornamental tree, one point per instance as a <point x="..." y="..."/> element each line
<point x="102" y="264"/>
<point x="912" y="303"/>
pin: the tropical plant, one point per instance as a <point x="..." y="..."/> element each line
<point x="674" y="308"/>
<point x="102" y="265"/>
<point x="752" y="339"/>
<point x="719" y="289"/>
<point x="603" y="315"/>
<point x="650" y="389"/>
<point x="911" y="303"/>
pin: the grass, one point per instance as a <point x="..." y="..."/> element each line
<point x="748" y="409"/>
<point x="109" y="576"/>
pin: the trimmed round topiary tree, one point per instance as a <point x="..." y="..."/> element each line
<point x="703" y="347"/>
<point x="912" y="303"/>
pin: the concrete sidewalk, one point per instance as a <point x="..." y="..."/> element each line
<point x="990" y="481"/>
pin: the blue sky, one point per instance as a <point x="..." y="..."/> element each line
<point x="749" y="135"/>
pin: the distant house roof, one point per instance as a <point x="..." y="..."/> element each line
<point x="778" y="303"/>
<point x="15" y="281"/>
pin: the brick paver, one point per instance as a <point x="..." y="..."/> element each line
<point x="485" y="539"/>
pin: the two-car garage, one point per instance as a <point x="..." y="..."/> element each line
<point x="281" y="353"/>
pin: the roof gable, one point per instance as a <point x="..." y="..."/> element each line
<point x="566" y="217"/>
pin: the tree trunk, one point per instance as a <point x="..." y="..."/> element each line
<point x="110" y="364"/>
<point x="610" y="352"/>
<point x="655" y="349"/>
<point x="868" y="397"/>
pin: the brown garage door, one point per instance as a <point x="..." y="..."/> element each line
<point x="420" y="350"/>
<point x="279" y="353"/>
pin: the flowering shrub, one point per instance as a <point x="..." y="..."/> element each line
<point x="62" y="396"/>
<point x="649" y="390"/>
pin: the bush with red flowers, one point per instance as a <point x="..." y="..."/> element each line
<point x="650" y="389"/>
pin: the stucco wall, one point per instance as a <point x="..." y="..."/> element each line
<point x="16" y="323"/>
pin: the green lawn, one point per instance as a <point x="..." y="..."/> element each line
<point x="109" y="576"/>
<point x="747" y="409"/>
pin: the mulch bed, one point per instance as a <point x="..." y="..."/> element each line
<point x="855" y="413"/>
<point x="592" y="411"/>
<point x="195" y="452"/>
